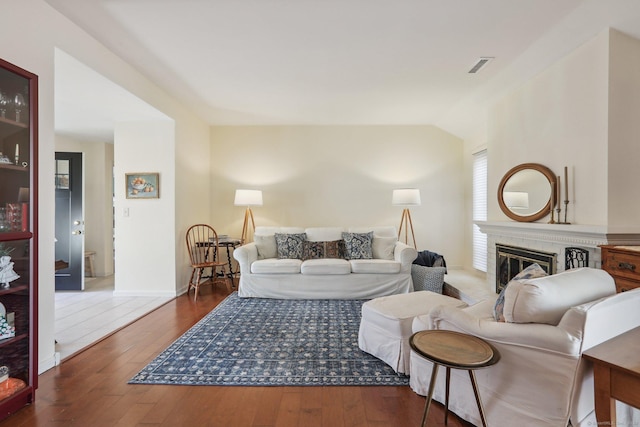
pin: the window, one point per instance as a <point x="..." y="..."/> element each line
<point x="479" y="209"/>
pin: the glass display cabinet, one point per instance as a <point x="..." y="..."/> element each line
<point x="18" y="237"/>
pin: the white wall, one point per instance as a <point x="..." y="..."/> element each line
<point x="624" y="134"/>
<point x="98" y="198"/>
<point x="145" y="147"/>
<point x="342" y="176"/>
<point x="559" y="118"/>
<point x="34" y="30"/>
<point x="582" y="112"/>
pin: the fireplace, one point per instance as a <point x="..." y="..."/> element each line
<point x="511" y="260"/>
<point x="550" y="239"/>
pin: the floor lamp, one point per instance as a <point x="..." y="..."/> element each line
<point x="406" y="197"/>
<point x="248" y="198"/>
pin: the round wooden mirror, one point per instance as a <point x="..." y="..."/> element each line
<point x="527" y="192"/>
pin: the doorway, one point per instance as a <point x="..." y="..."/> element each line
<point x="69" y="222"/>
<point x="87" y="125"/>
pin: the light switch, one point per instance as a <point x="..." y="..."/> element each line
<point x="125" y="212"/>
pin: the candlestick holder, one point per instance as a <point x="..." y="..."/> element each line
<point x="552" y="220"/>
<point x="566" y="203"/>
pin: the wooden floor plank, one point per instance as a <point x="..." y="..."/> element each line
<point x="91" y="389"/>
<point x="352" y="407"/>
<point x="289" y="410"/>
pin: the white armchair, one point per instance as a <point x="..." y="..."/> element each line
<point x="541" y="378"/>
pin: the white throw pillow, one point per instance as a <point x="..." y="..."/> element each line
<point x="546" y="299"/>
<point x="383" y="247"/>
<point x="266" y="246"/>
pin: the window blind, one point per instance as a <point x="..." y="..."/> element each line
<point x="479" y="209"/>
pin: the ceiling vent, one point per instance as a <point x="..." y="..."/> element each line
<point x="480" y="64"/>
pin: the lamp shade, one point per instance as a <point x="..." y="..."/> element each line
<point x="248" y="198"/>
<point x="406" y="197"/>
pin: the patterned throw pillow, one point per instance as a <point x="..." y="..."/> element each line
<point x="319" y="250"/>
<point x="531" y="272"/>
<point x="290" y="245"/>
<point x="358" y="245"/>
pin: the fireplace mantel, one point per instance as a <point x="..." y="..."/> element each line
<point x="550" y="238"/>
<point x="590" y="235"/>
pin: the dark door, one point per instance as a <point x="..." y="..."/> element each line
<point x="69" y="222"/>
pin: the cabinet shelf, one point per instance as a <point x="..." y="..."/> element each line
<point x="8" y="122"/>
<point x="12" y="340"/>
<point x="15" y="235"/>
<point x="14" y="290"/>
<point x="9" y="166"/>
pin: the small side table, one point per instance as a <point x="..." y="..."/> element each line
<point x="453" y="350"/>
<point x="616" y="374"/>
<point x="230" y="243"/>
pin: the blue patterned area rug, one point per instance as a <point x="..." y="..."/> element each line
<point x="269" y="342"/>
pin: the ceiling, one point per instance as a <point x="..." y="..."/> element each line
<point x="340" y="62"/>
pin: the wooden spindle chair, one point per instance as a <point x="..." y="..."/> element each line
<point x="204" y="253"/>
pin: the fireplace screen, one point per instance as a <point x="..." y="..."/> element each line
<point x="511" y="260"/>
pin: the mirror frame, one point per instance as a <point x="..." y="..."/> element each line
<point x="550" y="203"/>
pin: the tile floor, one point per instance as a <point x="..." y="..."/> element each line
<point x="82" y="318"/>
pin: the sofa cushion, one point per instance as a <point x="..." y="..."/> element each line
<point x="327" y="266"/>
<point x="290" y="245"/>
<point x="320" y="234"/>
<point x="378" y="266"/>
<point x="546" y="299"/>
<point x="271" y="230"/>
<point x="531" y="272"/>
<point x="266" y="246"/>
<point x="380" y="231"/>
<point x="320" y="250"/>
<point x="276" y="266"/>
<point x="358" y="245"/>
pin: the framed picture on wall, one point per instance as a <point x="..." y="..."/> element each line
<point x="144" y="185"/>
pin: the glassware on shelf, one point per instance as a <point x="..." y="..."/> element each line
<point x="19" y="104"/>
<point x="13" y="212"/>
<point x="5" y="102"/>
<point x="4" y="159"/>
<point x="5" y="226"/>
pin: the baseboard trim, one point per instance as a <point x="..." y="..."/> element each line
<point x="159" y="294"/>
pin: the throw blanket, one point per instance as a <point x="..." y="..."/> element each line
<point x="430" y="259"/>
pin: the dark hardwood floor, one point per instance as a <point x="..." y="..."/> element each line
<point x="90" y="389"/>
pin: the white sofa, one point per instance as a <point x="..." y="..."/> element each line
<point x="264" y="275"/>
<point x="541" y="378"/>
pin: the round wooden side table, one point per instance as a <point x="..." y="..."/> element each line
<point x="453" y="350"/>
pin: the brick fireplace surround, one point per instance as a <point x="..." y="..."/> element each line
<point x="553" y="238"/>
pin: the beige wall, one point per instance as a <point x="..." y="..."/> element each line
<point x="142" y="231"/>
<point x="582" y="112"/>
<point x="624" y="134"/>
<point x="98" y="198"/>
<point x="559" y="118"/>
<point x="342" y="176"/>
